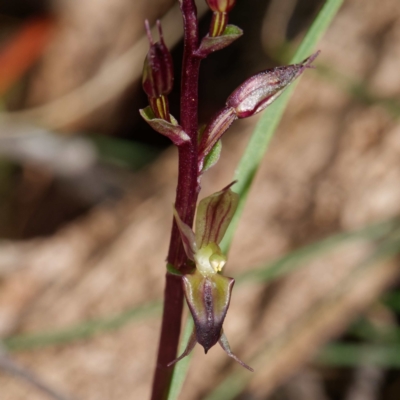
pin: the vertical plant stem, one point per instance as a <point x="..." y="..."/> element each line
<point x="169" y="339"/>
<point x="185" y="203"/>
<point x="188" y="185"/>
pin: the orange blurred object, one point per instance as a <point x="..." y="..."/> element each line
<point x="23" y="50"/>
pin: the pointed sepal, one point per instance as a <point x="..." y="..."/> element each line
<point x="187" y="236"/>
<point x="209" y="43"/>
<point x="189" y="347"/>
<point x="172" y="129"/>
<point x="214" y="215"/>
<point x="208" y="299"/>
<point x="223" y="341"/>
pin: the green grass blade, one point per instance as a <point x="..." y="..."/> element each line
<point x="365" y="330"/>
<point x="230" y="388"/>
<point x="81" y="331"/>
<point x="270" y="119"/>
<point x="182" y="366"/>
<point x="295" y="259"/>
<point x="392" y="300"/>
<point x="350" y="355"/>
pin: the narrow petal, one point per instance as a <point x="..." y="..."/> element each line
<point x="187" y="235"/>
<point x="214" y="215"/>
<point x="190" y="346"/>
<point x="223" y="341"/>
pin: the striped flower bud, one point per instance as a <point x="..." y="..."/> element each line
<point x="157" y="80"/>
<point x="220" y="10"/>
<point x="221" y="5"/>
<point x="259" y="91"/>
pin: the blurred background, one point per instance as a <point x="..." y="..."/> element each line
<point x="86" y="189"/>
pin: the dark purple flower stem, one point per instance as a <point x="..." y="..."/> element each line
<point x="186" y="197"/>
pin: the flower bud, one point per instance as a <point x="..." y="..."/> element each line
<point x="157" y="80"/>
<point x="220" y="15"/>
<point x="259" y="91"/>
<point x="218" y="24"/>
<point x="221" y="5"/>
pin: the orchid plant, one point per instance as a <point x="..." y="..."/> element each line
<point x="195" y="260"/>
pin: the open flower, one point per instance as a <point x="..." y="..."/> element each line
<point x="207" y="292"/>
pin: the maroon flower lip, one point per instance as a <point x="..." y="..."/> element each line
<point x="208" y="305"/>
